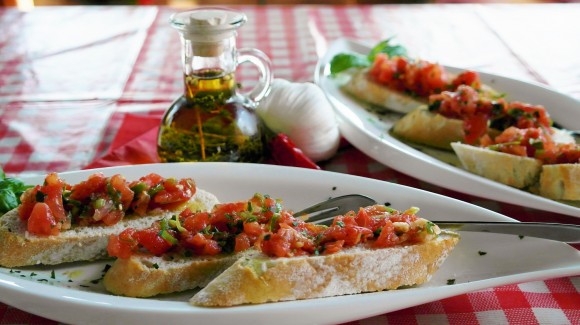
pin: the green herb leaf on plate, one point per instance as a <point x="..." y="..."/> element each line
<point x="345" y="61"/>
<point x="388" y="48"/>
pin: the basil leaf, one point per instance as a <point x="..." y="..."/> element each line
<point x="344" y="61"/>
<point x="388" y="48"/>
<point x="8" y="200"/>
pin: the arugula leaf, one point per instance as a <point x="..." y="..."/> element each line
<point x="10" y="191"/>
<point x="344" y="61"/>
<point x="388" y="48"/>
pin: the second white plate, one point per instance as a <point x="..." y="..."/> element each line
<point x="369" y="132"/>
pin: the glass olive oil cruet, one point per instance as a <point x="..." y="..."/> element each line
<point x="211" y="121"/>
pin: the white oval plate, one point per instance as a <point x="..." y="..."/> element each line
<point x="65" y="293"/>
<point x="368" y="132"/>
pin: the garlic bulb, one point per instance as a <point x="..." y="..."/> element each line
<point x="301" y="111"/>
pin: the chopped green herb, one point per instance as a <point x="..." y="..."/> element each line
<point x="156" y="266"/>
<point x="521" y="236"/>
<point x="481" y="253"/>
<point x="95" y="281"/>
<point x="450" y="281"/>
<point x="52" y="275"/>
<point x="430" y="226"/>
<point x="106" y="268"/>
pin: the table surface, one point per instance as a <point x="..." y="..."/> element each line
<point x="112" y="61"/>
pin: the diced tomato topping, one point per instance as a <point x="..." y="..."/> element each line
<point x="103" y="200"/>
<point x="42" y="221"/>
<point x="420" y="77"/>
<point x="534" y="143"/>
<point x="262" y="223"/>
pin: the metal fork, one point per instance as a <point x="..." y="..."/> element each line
<point x="324" y="212"/>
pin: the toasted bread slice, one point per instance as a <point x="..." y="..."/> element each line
<point x="145" y="275"/>
<point x="435" y="130"/>
<point x="512" y="170"/>
<point x="362" y="88"/>
<point x="560" y="182"/>
<point x="19" y="248"/>
<point x="260" y="279"/>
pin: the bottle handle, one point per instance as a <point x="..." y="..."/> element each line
<point x="260" y="60"/>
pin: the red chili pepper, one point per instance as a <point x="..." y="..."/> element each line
<point x="284" y="152"/>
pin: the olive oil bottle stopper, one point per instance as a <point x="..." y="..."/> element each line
<point x="208" y="28"/>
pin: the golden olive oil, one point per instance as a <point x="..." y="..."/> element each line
<point x="210" y="123"/>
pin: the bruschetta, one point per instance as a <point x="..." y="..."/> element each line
<point x="401" y="85"/>
<point x="465" y="115"/>
<point x="527" y="159"/>
<point x="255" y="251"/>
<point x="58" y="222"/>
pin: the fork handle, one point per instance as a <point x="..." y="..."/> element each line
<point x="556" y="231"/>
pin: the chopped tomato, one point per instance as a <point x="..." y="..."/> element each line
<point x="53" y="189"/>
<point x="469" y="78"/>
<point x="175" y="191"/>
<point x="333" y="247"/>
<point x="42" y="221"/>
<point x="123" y="193"/>
<point x="387" y="237"/>
<point x="242" y="242"/>
<point x="95" y="183"/>
<point x="122" y="245"/>
<point x="154" y="243"/>
<point x="475" y="127"/>
<point x="196" y="222"/>
<point x="28" y="200"/>
<point x="141" y="203"/>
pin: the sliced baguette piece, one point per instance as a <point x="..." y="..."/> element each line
<point x="512" y="170"/>
<point x="260" y="279"/>
<point x="560" y="182"/>
<point x="146" y="275"/>
<point x="19" y="248"/>
<point x="361" y="87"/>
<point x="423" y="127"/>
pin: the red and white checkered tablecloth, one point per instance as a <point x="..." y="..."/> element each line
<point x="69" y="75"/>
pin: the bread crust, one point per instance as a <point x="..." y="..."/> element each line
<point x="512" y="170"/>
<point x="263" y="279"/>
<point x="560" y="182"/>
<point x="369" y="91"/>
<point x="19" y="248"/>
<point x="435" y="130"/>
